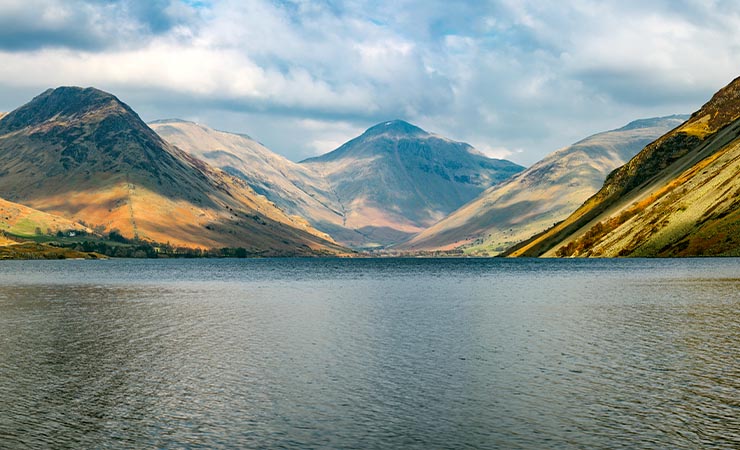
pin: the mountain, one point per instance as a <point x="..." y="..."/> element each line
<point x="680" y="196"/>
<point x="294" y="188"/>
<point x="397" y="179"/>
<point x="547" y="192"/>
<point x="84" y="155"/>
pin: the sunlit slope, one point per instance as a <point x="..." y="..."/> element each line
<point x="294" y="188"/>
<point x="20" y="220"/>
<point x="540" y="196"/>
<point x="677" y="197"/>
<point x="84" y="155"/>
<point x="397" y="179"/>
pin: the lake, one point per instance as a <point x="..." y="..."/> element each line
<point x="370" y="353"/>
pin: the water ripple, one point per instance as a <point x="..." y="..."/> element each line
<point x="370" y="354"/>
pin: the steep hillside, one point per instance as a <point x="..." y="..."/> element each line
<point x="677" y="197"/>
<point x="84" y="155"/>
<point x="396" y="179"/>
<point x="294" y="188"/>
<point x="542" y="195"/>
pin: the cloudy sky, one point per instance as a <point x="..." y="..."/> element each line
<point x="515" y="78"/>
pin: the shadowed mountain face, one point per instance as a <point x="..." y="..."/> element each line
<point x="294" y="188"/>
<point x="396" y="179"/>
<point x="83" y="154"/>
<point x="680" y="196"/>
<point x="542" y="195"/>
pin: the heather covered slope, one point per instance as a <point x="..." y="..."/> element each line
<point x="84" y="155"/>
<point x="678" y="197"/>
<point x="294" y="188"/>
<point x="397" y="179"/>
<point x="540" y="196"/>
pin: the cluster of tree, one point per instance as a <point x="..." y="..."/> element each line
<point x="419" y="253"/>
<point x="118" y="246"/>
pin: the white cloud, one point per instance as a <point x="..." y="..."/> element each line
<point x="327" y="135"/>
<point x="496" y="152"/>
<point x="502" y="75"/>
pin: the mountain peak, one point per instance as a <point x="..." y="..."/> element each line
<point x="66" y="101"/>
<point x="676" y="119"/>
<point x="71" y="98"/>
<point x="395" y="128"/>
<point x="173" y="120"/>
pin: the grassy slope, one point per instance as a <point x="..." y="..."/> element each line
<point x="23" y="221"/>
<point x="689" y="211"/>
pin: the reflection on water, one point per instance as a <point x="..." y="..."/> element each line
<point x="370" y="353"/>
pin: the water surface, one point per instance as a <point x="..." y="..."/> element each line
<point x="370" y="353"/>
